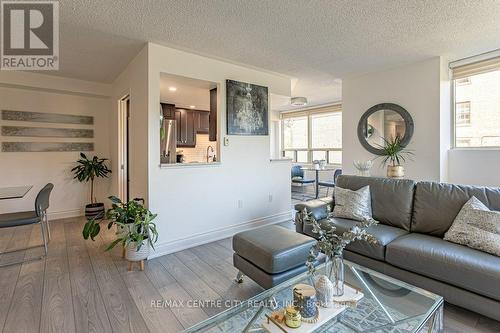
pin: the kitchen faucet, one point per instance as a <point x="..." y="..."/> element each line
<point x="209" y="148"/>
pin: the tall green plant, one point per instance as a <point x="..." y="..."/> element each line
<point x="87" y="170"/>
<point x="394" y="152"/>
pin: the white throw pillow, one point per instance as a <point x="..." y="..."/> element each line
<point x="477" y="227"/>
<point x="354" y="205"/>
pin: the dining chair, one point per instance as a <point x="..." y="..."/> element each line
<point x="37" y="216"/>
<point x="298" y="178"/>
<point x="331" y="184"/>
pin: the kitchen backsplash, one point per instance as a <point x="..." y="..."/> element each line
<point x="199" y="153"/>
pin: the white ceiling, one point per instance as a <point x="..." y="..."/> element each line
<point x="317" y="42"/>
<point x="190" y="92"/>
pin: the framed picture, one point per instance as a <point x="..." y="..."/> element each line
<point x="247" y="108"/>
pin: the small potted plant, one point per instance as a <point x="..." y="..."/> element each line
<point x="88" y="170"/>
<point x="332" y="245"/>
<point x="394" y="153"/>
<point x="136" y="230"/>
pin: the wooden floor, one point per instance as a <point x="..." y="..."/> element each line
<point x="81" y="288"/>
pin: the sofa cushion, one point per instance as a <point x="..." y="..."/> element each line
<point x="476" y="227"/>
<point x="451" y="263"/>
<point x="437" y="205"/>
<point x="355" y="205"/>
<point x="384" y="233"/>
<point x="273" y="249"/>
<point x="392" y="199"/>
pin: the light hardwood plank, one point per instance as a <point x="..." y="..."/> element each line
<point x="158" y="319"/>
<point x="25" y="309"/>
<point x="122" y="312"/>
<point x="14" y="238"/>
<point x="194" y="285"/>
<point x="226" y="242"/>
<point x="223" y="285"/>
<point x="89" y="310"/>
<point x="57" y="305"/>
<point x="170" y="290"/>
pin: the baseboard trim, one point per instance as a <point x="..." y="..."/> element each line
<point x="217" y="234"/>
<point x="65" y="214"/>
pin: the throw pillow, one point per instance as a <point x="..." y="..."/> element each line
<point x="354" y="205"/>
<point x="477" y="227"/>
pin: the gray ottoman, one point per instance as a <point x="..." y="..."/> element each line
<point x="270" y="255"/>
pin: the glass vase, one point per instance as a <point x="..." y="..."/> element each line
<point x="335" y="272"/>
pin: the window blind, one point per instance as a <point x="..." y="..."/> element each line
<point x="303" y="113"/>
<point x="479" y="67"/>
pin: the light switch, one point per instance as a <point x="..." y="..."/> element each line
<point x="226" y="141"/>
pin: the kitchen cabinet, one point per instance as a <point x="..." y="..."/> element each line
<point x="186" y="133"/>
<point x="202" y="122"/>
<point x="168" y="110"/>
<point x="212" y="126"/>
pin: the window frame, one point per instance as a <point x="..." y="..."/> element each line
<point x="309" y="114"/>
<point x="482" y="58"/>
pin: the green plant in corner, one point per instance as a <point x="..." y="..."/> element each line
<point x="87" y="170"/>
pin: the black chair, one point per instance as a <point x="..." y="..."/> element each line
<point x="329" y="184"/>
<point x="39" y="215"/>
<point x="298" y="177"/>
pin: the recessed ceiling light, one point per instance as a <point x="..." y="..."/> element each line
<point x="192" y="106"/>
<point x="298" y="101"/>
<point x="172" y="88"/>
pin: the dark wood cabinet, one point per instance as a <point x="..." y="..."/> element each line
<point x="212" y="127"/>
<point x="188" y="122"/>
<point x="202" y="122"/>
<point x="186" y="133"/>
<point x="168" y="110"/>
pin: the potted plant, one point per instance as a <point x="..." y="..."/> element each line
<point x="88" y="170"/>
<point x="136" y="230"/>
<point x="393" y="154"/>
<point x="333" y="245"/>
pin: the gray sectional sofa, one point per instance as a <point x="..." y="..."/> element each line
<point x="413" y="218"/>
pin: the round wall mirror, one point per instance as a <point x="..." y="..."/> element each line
<point x="384" y="121"/>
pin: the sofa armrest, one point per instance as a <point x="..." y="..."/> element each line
<point x="317" y="207"/>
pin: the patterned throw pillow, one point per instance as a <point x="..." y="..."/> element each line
<point x="354" y="205"/>
<point x="477" y="227"/>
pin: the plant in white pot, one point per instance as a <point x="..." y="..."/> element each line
<point x="87" y="170"/>
<point x="136" y="231"/>
<point x="393" y="154"/>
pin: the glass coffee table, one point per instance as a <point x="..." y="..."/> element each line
<point x="388" y="305"/>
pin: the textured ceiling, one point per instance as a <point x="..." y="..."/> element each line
<point x="318" y="42"/>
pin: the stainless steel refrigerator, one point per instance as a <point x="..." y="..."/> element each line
<point x="169" y="142"/>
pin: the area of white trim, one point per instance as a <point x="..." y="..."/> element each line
<point x="64" y="214"/>
<point x="217" y="234"/>
<point x="475" y="58"/>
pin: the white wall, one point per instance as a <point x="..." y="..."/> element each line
<point x="200" y="204"/>
<point x="415" y="87"/>
<point x="474" y="167"/>
<point x="132" y="81"/>
<point x="42" y="93"/>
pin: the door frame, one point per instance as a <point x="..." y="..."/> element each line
<point x="123" y="148"/>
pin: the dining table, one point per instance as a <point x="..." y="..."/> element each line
<point x="14" y="192"/>
<point x="318" y="170"/>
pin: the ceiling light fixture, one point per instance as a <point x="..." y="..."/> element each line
<point x="298" y="101"/>
<point x="172" y="88"/>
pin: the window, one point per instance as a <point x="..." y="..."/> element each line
<point x="477" y="104"/>
<point x="313" y="135"/>
<point x="462" y="113"/>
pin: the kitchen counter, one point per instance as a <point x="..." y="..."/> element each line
<point x="189" y="165"/>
